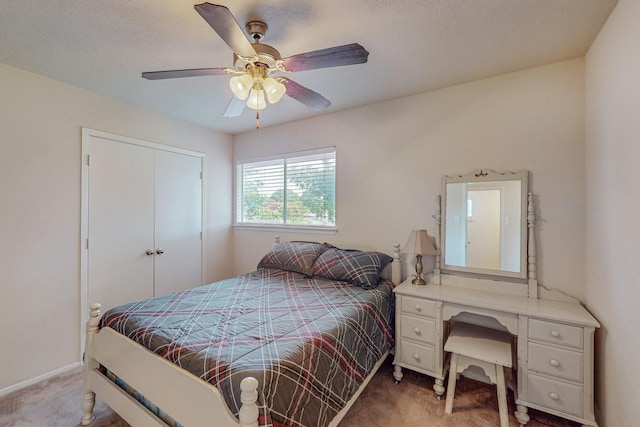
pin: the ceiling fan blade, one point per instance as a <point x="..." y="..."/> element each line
<point x="337" y="56"/>
<point x="305" y="95"/>
<point x="172" y="74"/>
<point x="223" y="23"/>
<point x="235" y="107"/>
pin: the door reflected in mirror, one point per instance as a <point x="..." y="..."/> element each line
<point x="485" y="225"/>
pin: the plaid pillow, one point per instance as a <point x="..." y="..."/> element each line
<point x="293" y="256"/>
<point x="357" y="267"/>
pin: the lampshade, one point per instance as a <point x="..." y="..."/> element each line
<point x="274" y="89"/>
<point x="241" y="85"/>
<point x="256" y="99"/>
<point x="419" y="243"/>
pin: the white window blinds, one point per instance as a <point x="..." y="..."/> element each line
<point x="294" y="189"/>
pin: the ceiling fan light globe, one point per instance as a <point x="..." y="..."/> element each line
<point x="241" y="85"/>
<point x="274" y="89"/>
<point x="256" y="99"/>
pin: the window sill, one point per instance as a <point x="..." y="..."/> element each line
<point x="287" y="228"/>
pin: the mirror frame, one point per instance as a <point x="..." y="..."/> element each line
<point x="488" y="175"/>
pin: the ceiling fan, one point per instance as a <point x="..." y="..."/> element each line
<point x="258" y="69"/>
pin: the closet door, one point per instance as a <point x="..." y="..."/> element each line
<point x="142" y="218"/>
<point x="178" y="222"/>
<point x="120" y="222"/>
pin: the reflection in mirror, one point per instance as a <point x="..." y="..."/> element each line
<point x="485" y="223"/>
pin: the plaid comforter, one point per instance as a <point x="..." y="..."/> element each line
<point x="310" y="343"/>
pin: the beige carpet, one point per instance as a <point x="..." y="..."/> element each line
<point x="58" y="403"/>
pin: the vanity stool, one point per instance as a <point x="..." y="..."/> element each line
<point x="489" y="349"/>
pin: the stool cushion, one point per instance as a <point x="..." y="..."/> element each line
<point x="480" y="343"/>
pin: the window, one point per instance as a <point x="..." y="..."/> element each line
<point x="296" y="189"/>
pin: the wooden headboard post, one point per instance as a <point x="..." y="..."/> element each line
<point x="396" y="270"/>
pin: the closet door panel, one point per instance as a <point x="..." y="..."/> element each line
<point x="178" y="222"/>
<point x="120" y="222"/>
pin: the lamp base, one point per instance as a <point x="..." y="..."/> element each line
<point x="418" y="281"/>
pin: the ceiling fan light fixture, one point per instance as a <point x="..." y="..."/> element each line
<point x="256" y="99"/>
<point x="274" y="89"/>
<point x="241" y="85"/>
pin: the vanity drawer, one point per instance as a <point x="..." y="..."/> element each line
<point x="418" y="329"/>
<point x="418" y="306"/>
<point x="559" y="362"/>
<point x="556" y="333"/>
<point x="556" y="395"/>
<point x="420" y="357"/>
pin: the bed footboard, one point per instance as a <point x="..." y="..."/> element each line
<point x="182" y="395"/>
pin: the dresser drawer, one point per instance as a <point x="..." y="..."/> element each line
<point x="419" y="307"/>
<point x="559" y="362"/>
<point x="556" y="395"/>
<point x="418" y="329"/>
<point x="556" y="333"/>
<point x="420" y="357"/>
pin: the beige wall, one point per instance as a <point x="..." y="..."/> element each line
<point x="391" y="158"/>
<point x="612" y="204"/>
<point x="40" y="146"/>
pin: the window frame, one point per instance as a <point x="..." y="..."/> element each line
<point x="322" y="229"/>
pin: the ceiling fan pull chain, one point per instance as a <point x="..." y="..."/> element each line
<point x="257" y="119"/>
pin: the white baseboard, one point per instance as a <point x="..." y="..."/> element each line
<point x="39" y="378"/>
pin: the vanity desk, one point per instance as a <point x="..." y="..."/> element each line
<point x="554" y="342"/>
<point x="553" y="333"/>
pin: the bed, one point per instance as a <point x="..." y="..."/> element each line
<point x="291" y="344"/>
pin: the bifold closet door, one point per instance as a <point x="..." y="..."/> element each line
<point x="144" y="222"/>
<point x="178" y="222"/>
<point x="120" y="219"/>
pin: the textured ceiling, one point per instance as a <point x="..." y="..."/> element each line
<point x="415" y="46"/>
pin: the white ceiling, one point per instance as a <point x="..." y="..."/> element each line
<point x="415" y="46"/>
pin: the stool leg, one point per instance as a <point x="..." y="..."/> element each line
<point x="502" y="397"/>
<point x="451" y="387"/>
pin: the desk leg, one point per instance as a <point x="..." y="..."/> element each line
<point x="397" y="373"/>
<point x="438" y="387"/>
<point x="521" y="414"/>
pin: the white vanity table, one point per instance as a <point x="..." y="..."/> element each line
<point x="553" y="334"/>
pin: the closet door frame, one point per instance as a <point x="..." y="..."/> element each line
<point x="87" y="135"/>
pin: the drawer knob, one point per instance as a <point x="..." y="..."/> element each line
<point x="555" y="334"/>
<point x="416" y="330"/>
<point x="554" y="396"/>
<point x="418" y="308"/>
<point x="554" y="362"/>
<point x="417" y="357"/>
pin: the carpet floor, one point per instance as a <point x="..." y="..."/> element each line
<point x="57" y="402"/>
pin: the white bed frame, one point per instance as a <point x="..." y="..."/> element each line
<point x="182" y="395"/>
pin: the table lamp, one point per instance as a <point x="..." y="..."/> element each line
<point x="419" y="244"/>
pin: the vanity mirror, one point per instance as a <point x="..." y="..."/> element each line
<point x="484" y="222"/>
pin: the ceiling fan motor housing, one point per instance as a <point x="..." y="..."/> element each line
<point x="266" y="55"/>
